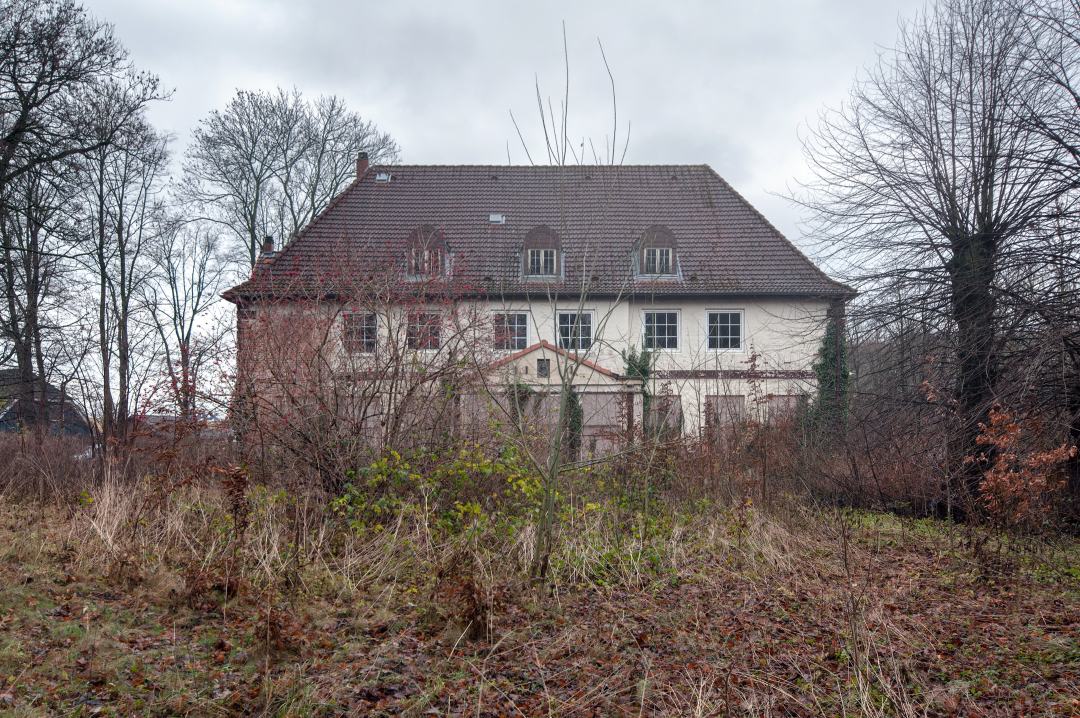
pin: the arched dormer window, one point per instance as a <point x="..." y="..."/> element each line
<point x="541" y="253"/>
<point x="657" y="254"/>
<point x="427" y="252"/>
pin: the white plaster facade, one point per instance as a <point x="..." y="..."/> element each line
<point x="779" y="340"/>
<point x="783" y="335"/>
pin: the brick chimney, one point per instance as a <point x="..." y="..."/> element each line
<point x="267" y="245"/>
<point x="361" y="164"/>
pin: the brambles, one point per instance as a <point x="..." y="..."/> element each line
<point x="235" y="484"/>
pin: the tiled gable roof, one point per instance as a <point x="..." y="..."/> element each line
<point x="543" y="344"/>
<point x="725" y="247"/>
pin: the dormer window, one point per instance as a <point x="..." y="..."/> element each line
<point x="658" y="260"/>
<point x="425" y="262"/>
<point x="656" y="255"/>
<point x="542" y="262"/>
<point x="426" y="253"/>
<point x="541" y="254"/>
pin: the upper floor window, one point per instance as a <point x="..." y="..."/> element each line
<point x="511" y="330"/>
<point x="541" y="262"/>
<point x="658" y="260"/>
<point x="359" y="332"/>
<point x="575" y="330"/>
<point x="422" y="331"/>
<point x="725" y="330"/>
<point x="427" y="252"/>
<point x="661" y="330"/>
<point x="657" y="252"/>
<point x="541" y="253"/>
<point x="425" y="262"/>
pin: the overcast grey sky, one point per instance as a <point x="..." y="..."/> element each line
<point x="730" y="83"/>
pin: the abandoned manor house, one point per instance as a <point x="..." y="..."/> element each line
<point x="620" y="282"/>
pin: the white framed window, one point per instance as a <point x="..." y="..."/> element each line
<point x="511" y="330"/>
<point x="542" y="262"/>
<point x="359" y="332"/>
<point x="658" y="260"/>
<point x="575" y="330"/>
<point x="425" y="261"/>
<point x="661" y="329"/>
<point x="422" y="331"/>
<point x="726" y="329"/>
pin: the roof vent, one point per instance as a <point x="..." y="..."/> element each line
<point x="383" y="177"/>
<point x="497" y="218"/>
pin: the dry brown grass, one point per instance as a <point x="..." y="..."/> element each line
<point x="157" y="600"/>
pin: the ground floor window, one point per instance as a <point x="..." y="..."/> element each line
<point x="724" y="409"/>
<point x="663" y="417"/>
<point x="781" y="406"/>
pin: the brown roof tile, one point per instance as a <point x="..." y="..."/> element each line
<point x="725" y="247"/>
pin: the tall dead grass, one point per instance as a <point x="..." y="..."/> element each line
<point x="219" y="541"/>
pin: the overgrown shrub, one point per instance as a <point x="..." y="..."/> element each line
<point x="1025" y="472"/>
<point x="458" y="485"/>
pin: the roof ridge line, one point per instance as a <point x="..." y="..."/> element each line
<point x="438" y="165"/>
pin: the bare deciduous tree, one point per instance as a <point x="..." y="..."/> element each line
<point x="269" y="162"/>
<point x="929" y="182"/>
<point x="561" y="453"/>
<point x="189" y="270"/>
<point x="37" y="245"/>
<point x="125" y="213"/>
<point x="56" y="64"/>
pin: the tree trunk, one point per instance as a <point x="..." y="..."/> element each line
<point x="107" y="411"/>
<point x="123" y="343"/>
<point x="1072" y="409"/>
<point x="972" y="274"/>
